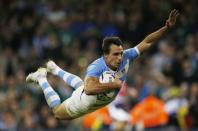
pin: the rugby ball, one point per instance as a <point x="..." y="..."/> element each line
<point x="106" y="77"/>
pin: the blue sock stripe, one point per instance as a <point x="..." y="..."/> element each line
<point x="78" y="84"/>
<point x="54" y="103"/>
<point x="70" y="78"/>
<point x="51" y="93"/>
<point x="45" y="85"/>
<point x="61" y="74"/>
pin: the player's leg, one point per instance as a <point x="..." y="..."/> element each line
<point x="71" y="79"/>
<point x="52" y="98"/>
<point x="60" y="112"/>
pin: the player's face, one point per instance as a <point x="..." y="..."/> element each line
<point x="113" y="59"/>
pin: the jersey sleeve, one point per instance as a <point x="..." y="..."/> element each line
<point x="131" y="53"/>
<point x="93" y="71"/>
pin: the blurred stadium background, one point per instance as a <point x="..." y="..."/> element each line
<point x="70" y="32"/>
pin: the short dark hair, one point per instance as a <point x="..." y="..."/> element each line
<point x="108" y="41"/>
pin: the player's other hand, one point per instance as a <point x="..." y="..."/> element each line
<point x="170" y="22"/>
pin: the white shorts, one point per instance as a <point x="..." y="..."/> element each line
<point x="79" y="103"/>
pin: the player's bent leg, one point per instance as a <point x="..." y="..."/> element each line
<point x="71" y="79"/>
<point x="60" y="112"/>
<point x="73" y="107"/>
<point x="39" y="77"/>
<point x="67" y="110"/>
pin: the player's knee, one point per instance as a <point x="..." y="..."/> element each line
<point x="56" y="112"/>
<point x="58" y="117"/>
<point x="60" y="114"/>
<point x="62" y="117"/>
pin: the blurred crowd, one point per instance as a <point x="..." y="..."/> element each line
<point x="70" y="32"/>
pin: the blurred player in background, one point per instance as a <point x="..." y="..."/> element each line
<point x="90" y="94"/>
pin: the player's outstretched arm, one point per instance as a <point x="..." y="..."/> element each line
<point x="93" y="86"/>
<point x="155" y="36"/>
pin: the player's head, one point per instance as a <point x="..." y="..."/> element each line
<point x="112" y="51"/>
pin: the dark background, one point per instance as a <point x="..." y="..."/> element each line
<point x="70" y="32"/>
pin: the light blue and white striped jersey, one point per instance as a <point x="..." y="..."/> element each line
<point x="96" y="68"/>
<point x="83" y="103"/>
